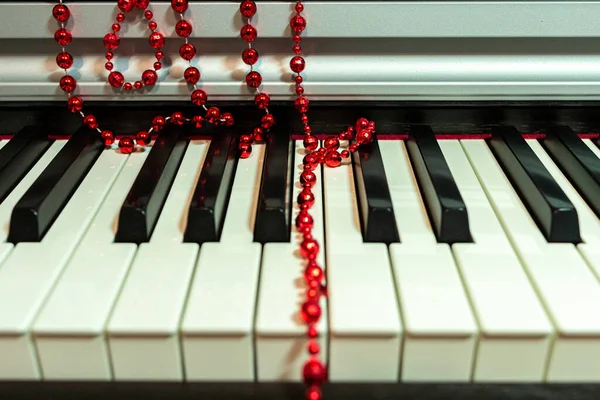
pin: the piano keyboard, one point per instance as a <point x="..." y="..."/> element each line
<point x="447" y="260"/>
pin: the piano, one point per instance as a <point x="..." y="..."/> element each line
<point x="461" y="247"/>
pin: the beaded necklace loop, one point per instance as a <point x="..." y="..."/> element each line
<point x="112" y="41"/>
<point x="253" y="80"/>
<point x="187" y="51"/>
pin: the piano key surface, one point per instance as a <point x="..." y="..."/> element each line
<point x="167" y="310"/>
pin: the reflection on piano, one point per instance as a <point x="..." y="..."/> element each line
<point x="461" y="247"/>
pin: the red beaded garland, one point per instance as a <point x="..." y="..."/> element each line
<point x="253" y="79"/>
<point x="149" y="77"/>
<point x="112" y="42"/>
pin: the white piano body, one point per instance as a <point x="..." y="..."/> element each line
<point x="84" y="314"/>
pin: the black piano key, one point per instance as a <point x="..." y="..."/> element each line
<point x="18" y="142"/>
<point x="273" y="215"/>
<point x="143" y="204"/>
<point x="35" y="212"/>
<point x="373" y="196"/>
<point x="12" y="172"/>
<point x="211" y="196"/>
<point x="446" y="207"/>
<point x="547" y="203"/>
<point x="577" y="161"/>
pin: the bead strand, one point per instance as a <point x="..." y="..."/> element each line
<point x="112" y="41"/>
<point x="188" y="52"/>
<point x="253" y="80"/>
<point x="314" y="371"/>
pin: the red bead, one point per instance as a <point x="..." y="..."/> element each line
<point x="262" y="100"/>
<point x="362" y="123"/>
<point x="142" y="4"/>
<point x="116" y="27"/>
<point x="245" y="150"/>
<point x="248" y="8"/>
<point x="304" y="219"/>
<point x="297" y="38"/>
<point x="158" y="123"/>
<point x="309" y="247"/>
<point x="258" y="134"/>
<point x="298" y="23"/>
<point x="187" y="51"/>
<point x="307" y="130"/>
<point x="306" y="197"/>
<point x="64" y="60"/>
<point x="63" y="36"/>
<point x="138" y="85"/>
<point x="333" y="159"/>
<point x="310" y="143"/>
<point x="310" y="161"/>
<point x="345" y="154"/>
<point x="314" y="393"/>
<point x="313" y="294"/>
<point x="126" y="145"/>
<point x="297" y="49"/>
<point x="156" y="40"/>
<point x="149" y="77"/>
<point x="311" y="311"/>
<point x="227" y="119"/>
<point x="314" y="273"/>
<point x="298" y="79"/>
<point x="111" y="41"/>
<point x="68" y="83"/>
<point x="364" y="136"/>
<point x="109" y="55"/>
<point x="213" y="115"/>
<point x="312" y="332"/>
<point x="299" y="90"/>
<point x="248" y="33"/>
<point x="250" y="56"/>
<point x="177" y="118"/>
<point x="267" y="121"/>
<point x="183" y="28"/>
<point x="108" y="138"/>
<point x="304" y="119"/>
<point x="371" y="125"/>
<point x="152" y="25"/>
<point x="148" y="15"/>
<point x="313" y="348"/>
<point x="308" y="179"/>
<point x="109" y="66"/>
<point x="331" y="143"/>
<point x="126" y="5"/>
<point x="120" y="17"/>
<point x="159" y="55"/>
<point x="353" y="147"/>
<point x="253" y="79"/>
<point x="192" y="75"/>
<point x="179" y="6"/>
<point x="142" y="138"/>
<point x="297" y="64"/>
<point x="199" y="97"/>
<point x="246" y="139"/>
<point x="314" y="372"/>
<point x="301" y="104"/>
<point x="299" y="7"/>
<point x="75" y="104"/>
<point x="90" y="121"/>
<point x="157" y="66"/>
<point x="128" y="86"/>
<point x="61" y="13"/>
<point x="198" y="121"/>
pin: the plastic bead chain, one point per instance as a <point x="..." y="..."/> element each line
<point x="253" y="80"/>
<point x="314" y="371"/>
<point x="187" y="51"/>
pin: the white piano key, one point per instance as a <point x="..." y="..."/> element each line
<point x="574" y="359"/>
<point x="29" y="273"/>
<point x="280" y="332"/>
<point x="436" y="312"/>
<point x="567" y="287"/>
<point x="515" y="331"/>
<point x="364" y="319"/>
<point x="143" y="329"/>
<point x="69" y="330"/>
<point x="217" y="326"/>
